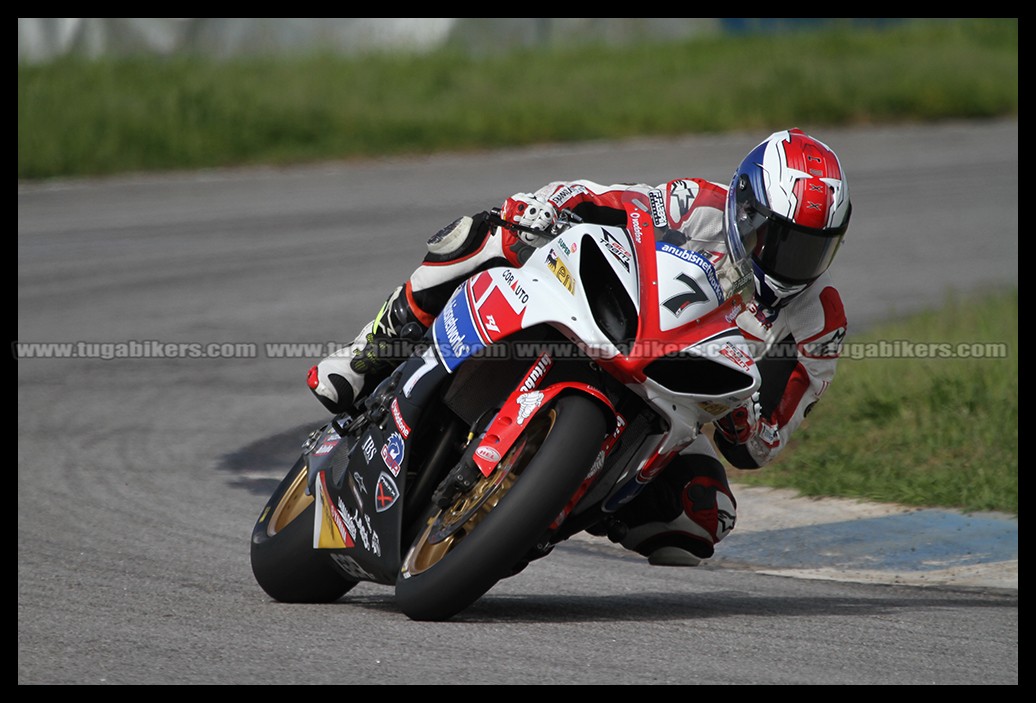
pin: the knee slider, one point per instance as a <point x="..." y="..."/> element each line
<point x="451" y="239"/>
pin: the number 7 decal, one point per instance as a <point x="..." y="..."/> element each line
<point x="678" y="303"/>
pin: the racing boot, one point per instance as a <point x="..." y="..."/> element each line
<point x="342" y="379"/>
<point x="681" y="515"/>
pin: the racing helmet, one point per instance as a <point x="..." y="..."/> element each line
<point x="788" y="207"/>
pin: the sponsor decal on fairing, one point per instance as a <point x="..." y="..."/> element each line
<point x="537" y="373"/>
<point x="326" y="447"/>
<point x="358" y="481"/>
<point x="359" y="526"/>
<point x="386" y="493"/>
<point x="676" y="304"/>
<point x="330" y="531"/>
<point x="488" y="453"/>
<point x="369" y="448"/>
<point x="635" y="227"/>
<point x="621" y="254"/>
<point x="698" y="260"/>
<point x="527" y="404"/>
<point x="515" y="285"/>
<point x="392" y="453"/>
<point x="561" y="272"/>
<point x="714" y="408"/>
<point x="455" y="332"/>
<point x="330" y="441"/>
<point x="736" y="355"/>
<point x="397" y="416"/>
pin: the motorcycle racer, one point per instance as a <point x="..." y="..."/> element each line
<point x="787" y="203"/>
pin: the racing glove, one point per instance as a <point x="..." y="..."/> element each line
<point x="741" y="424"/>
<point x="529" y="211"/>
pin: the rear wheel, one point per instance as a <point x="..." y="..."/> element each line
<point x="284" y="562"/>
<point x="469" y="546"/>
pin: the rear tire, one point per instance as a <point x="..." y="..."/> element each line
<point x="511" y="511"/>
<point x="284" y="563"/>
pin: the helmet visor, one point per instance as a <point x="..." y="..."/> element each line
<point x="793" y="254"/>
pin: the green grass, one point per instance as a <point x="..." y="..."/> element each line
<point x="909" y="419"/>
<point x="78" y="117"/>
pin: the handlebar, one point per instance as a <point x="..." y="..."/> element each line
<point x="565" y="219"/>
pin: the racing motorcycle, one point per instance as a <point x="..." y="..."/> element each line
<point x="541" y="400"/>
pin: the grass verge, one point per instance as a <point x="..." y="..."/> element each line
<point x="80" y="118"/>
<point x="922" y="411"/>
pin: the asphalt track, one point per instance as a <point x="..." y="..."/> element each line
<point x="139" y="478"/>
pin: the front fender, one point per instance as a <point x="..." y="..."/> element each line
<point x="518" y="409"/>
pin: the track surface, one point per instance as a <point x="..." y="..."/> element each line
<point x="139" y="478"/>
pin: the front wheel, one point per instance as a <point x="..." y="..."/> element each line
<point x="469" y="546"/>
<point x="284" y="563"/>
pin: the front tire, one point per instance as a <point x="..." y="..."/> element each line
<point x="284" y="563"/>
<point x="469" y="546"/>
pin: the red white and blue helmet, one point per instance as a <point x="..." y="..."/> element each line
<point x="788" y="206"/>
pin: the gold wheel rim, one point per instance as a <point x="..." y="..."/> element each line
<point x="449" y="526"/>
